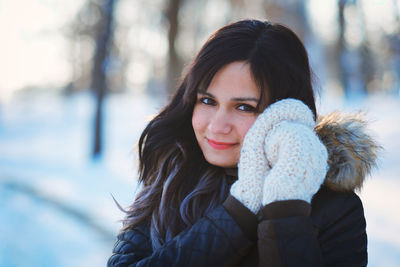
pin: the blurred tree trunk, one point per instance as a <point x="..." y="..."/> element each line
<point x="396" y="14"/>
<point x="99" y="71"/>
<point x="394" y="41"/>
<point x="341" y="48"/>
<point x="174" y="61"/>
<point x="367" y="67"/>
<point x="290" y="13"/>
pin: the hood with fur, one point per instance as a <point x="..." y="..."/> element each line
<point x="352" y="152"/>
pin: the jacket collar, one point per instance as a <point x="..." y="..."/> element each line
<point x="352" y="152"/>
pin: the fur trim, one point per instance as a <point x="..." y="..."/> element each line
<point x="352" y="153"/>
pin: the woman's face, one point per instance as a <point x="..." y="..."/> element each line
<point x="224" y="113"/>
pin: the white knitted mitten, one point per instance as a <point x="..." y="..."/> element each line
<point x="253" y="163"/>
<point x="299" y="162"/>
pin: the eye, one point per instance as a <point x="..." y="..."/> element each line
<point x="207" y="101"/>
<point x="247" y="108"/>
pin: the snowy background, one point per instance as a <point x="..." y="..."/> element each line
<point x="56" y="207"/>
<point x="55" y="202"/>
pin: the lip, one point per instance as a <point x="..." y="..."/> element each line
<point x="219" y="145"/>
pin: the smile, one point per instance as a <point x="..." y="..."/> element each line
<point x="219" y="145"/>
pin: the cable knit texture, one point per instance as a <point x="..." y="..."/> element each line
<point x="299" y="161"/>
<point x="282" y="158"/>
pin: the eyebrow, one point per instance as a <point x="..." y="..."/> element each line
<point x="236" y="99"/>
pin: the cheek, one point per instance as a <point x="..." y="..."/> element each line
<point x="245" y="127"/>
<point x="198" y="120"/>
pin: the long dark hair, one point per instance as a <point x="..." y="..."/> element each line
<point x="179" y="185"/>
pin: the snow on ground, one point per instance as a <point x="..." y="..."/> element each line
<point x="56" y="207"/>
<point x="55" y="202"/>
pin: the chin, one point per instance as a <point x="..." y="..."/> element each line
<point x="224" y="163"/>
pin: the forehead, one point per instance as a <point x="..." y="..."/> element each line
<point x="234" y="79"/>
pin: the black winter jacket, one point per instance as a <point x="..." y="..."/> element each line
<point x="328" y="232"/>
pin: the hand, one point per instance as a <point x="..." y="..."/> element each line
<point x="299" y="163"/>
<point x="253" y="163"/>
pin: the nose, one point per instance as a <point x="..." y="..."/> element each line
<point x="220" y="123"/>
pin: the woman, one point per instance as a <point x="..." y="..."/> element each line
<point x="235" y="171"/>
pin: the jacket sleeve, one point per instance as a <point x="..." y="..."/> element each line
<point x="215" y="240"/>
<point x="341" y="228"/>
<point x="131" y="246"/>
<point x="332" y="233"/>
